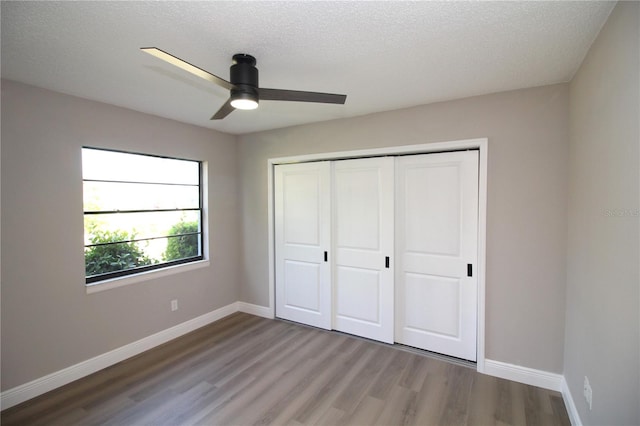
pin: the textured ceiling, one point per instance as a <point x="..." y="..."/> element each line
<point x="383" y="55"/>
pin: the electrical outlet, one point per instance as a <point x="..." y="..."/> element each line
<point x="174" y="305"/>
<point x="588" y="392"/>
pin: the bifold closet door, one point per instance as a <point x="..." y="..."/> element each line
<point x="302" y="237"/>
<point x="363" y="244"/>
<point x="436" y="245"/>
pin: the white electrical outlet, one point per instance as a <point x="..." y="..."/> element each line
<point x="174" y="305"/>
<point x="588" y="392"/>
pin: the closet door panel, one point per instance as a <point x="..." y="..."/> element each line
<point x="302" y="230"/>
<point x="436" y="236"/>
<point x="363" y="238"/>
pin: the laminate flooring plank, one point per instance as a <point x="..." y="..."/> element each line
<point x="100" y="413"/>
<point x="390" y="376"/>
<point x="483" y="401"/>
<point x="210" y="357"/>
<point x="410" y="409"/>
<point x="399" y="408"/>
<point x="260" y="403"/>
<point x="288" y="350"/>
<point x="504" y="408"/>
<point x="306" y="395"/>
<point x="290" y="402"/>
<point x="301" y="343"/>
<point x="414" y="373"/>
<point x="193" y="347"/>
<point x="431" y="399"/>
<point x="517" y="391"/>
<point x="258" y="357"/>
<point x="457" y="393"/>
<point x="300" y="363"/>
<point x="182" y="404"/>
<point x="227" y="412"/>
<point x="244" y="369"/>
<point x="365" y="413"/>
<point x="560" y="415"/>
<point x="544" y="397"/>
<point x="238" y="359"/>
<point x="331" y="416"/>
<point x="213" y="396"/>
<point x="61" y="418"/>
<point x="222" y="355"/>
<point x="353" y="361"/>
<point x="437" y="367"/>
<point x="208" y="402"/>
<point x="145" y="409"/>
<point x="537" y="407"/>
<point x="274" y="358"/>
<point x="255" y="362"/>
<point x="357" y="387"/>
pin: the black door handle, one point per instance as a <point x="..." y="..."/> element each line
<point x="469" y="270"/>
<point x="326" y="256"/>
<point x="386" y="262"/>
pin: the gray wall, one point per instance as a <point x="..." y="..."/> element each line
<point x="526" y="217"/>
<point x="602" y="324"/>
<point x="48" y="320"/>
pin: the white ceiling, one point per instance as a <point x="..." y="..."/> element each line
<point x="383" y="55"/>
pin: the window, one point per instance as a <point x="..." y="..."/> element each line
<point x="141" y="212"/>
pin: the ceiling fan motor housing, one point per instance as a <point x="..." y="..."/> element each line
<point x="244" y="76"/>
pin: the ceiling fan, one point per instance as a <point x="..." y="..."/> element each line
<point x="245" y="92"/>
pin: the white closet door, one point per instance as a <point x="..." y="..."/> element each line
<point x="363" y="239"/>
<point x="436" y="237"/>
<point x="303" y="232"/>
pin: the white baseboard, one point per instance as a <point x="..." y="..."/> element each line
<point x="570" y="404"/>
<point x="529" y="376"/>
<point x="37" y="387"/>
<point x="260" y="311"/>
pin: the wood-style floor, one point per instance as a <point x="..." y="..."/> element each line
<point x="245" y="370"/>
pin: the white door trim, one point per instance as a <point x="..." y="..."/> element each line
<point x="482" y="144"/>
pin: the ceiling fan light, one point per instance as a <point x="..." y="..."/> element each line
<point x="244" y="104"/>
<point x="244" y="100"/>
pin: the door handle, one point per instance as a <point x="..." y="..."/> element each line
<point x="326" y="256"/>
<point x="469" y="270"/>
<point x="386" y="262"/>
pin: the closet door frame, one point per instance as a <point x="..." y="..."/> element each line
<point x="480" y="144"/>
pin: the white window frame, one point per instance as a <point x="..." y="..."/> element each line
<point x="162" y="270"/>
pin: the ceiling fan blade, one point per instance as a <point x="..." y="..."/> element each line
<point x="173" y="60"/>
<point x="298" y="96"/>
<point x="224" y="110"/>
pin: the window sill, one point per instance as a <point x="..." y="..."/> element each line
<point x="144" y="276"/>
